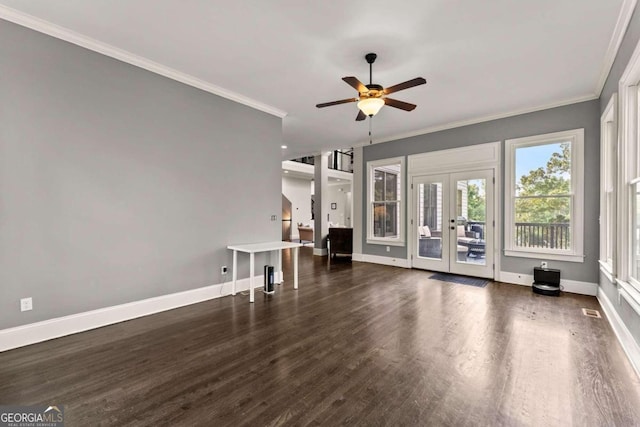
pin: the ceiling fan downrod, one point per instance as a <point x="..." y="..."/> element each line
<point x="371" y="58"/>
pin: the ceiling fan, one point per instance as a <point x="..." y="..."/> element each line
<point x="372" y="97"/>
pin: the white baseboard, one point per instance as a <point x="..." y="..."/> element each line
<point x="20" y="336"/>
<point x="320" y="251"/>
<point x="629" y="345"/>
<point x="375" y="259"/>
<point x="573" y="286"/>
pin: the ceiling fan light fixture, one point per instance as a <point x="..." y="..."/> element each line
<point x="370" y="106"/>
<point x="372" y="97"/>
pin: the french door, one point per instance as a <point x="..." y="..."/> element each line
<point x="452" y="223"/>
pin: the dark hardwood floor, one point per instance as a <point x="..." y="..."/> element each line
<point x="357" y="344"/>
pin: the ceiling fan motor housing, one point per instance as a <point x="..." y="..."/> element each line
<point x="375" y="91"/>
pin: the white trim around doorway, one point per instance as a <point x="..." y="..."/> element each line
<point x="472" y="157"/>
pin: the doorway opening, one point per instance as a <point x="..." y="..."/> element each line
<point x="453" y="223"/>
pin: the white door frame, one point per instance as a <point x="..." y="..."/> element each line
<point x="472" y="269"/>
<point x="472" y="157"/>
<point x="448" y="262"/>
<point x="433" y="264"/>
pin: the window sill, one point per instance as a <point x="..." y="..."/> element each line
<point x="606" y="269"/>
<point x="394" y="242"/>
<point x="544" y="255"/>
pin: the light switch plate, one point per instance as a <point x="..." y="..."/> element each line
<point x="26" y="304"/>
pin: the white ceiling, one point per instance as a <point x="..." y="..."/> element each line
<point x="481" y="59"/>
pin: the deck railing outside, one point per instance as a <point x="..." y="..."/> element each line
<point x="545" y="236"/>
<point x="534" y="234"/>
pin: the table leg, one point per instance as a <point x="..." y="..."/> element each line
<point x="251" y="271"/>
<point x="235" y="272"/>
<point x="295" y="267"/>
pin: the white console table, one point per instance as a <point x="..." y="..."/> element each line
<point x="252" y="249"/>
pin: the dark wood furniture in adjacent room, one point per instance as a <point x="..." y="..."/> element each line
<point x="340" y="241"/>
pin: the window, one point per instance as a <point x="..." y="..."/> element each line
<point x="385" y="217"/>
<point x="627" y="190"/>
<point x="608" y="141"/>
<point x="544" y="196"/>
<point x="631" y="177"/>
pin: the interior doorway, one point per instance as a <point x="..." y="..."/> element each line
<point x="453" y="223"/>
<point x="286" y="219"/>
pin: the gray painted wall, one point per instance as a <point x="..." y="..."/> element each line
<point x="117" y="184"/>
<point x="582" y="115"/>
<point x="628" y="315"/>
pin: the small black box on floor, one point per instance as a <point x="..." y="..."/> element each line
<point x="546" y="281"/>
<point x="268" y="279"/>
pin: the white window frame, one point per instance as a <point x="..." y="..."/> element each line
<point x="608" y="177"/>
<point x="576" y="252"/>
<point x="628" y="173"/>
<point x="390" y="241"/>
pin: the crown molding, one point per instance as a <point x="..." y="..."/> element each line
<point x="628" y="6"/>
<point x="462" y="123"/>
<point x="70" y="36"/>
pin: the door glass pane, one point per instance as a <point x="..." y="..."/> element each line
<point x="471" y="212"/>
<point x="430" y="220"/>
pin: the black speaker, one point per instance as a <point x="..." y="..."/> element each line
<point x="546" y="281"/>
<point x="268" y="279"/>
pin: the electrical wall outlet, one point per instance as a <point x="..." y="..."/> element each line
<point x="388" y="249"/>
<point x="223" y="269"/>
<point x="26" y="304"/>
<point x="543" y="264"/>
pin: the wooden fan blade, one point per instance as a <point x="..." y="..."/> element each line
<point x="342" y="101"/>
<point x="399" y="104"/>
<point x="361" y="116"/>
<point x="406" y="85"/>
<point x="356" y="84"/>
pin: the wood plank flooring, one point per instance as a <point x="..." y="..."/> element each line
<point x="357" y="344"/>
